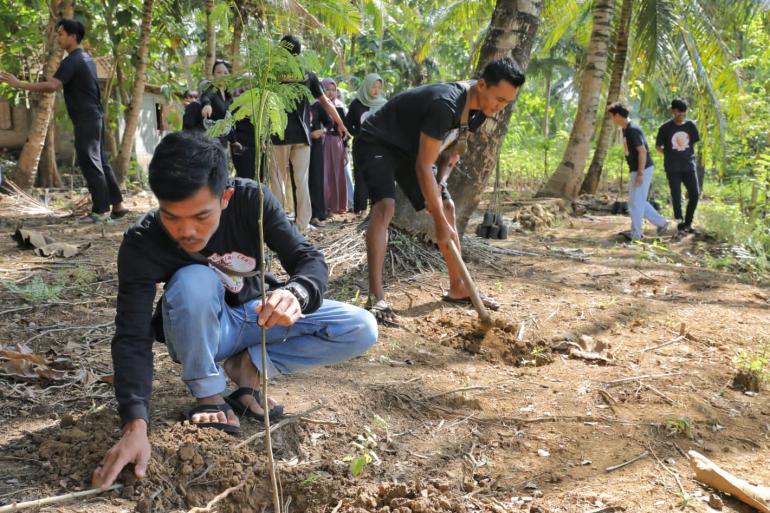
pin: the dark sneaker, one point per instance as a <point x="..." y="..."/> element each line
<point x="94" y="218"/>
<point x="663" y="230"/>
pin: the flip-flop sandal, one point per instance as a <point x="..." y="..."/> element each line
<point x="119" y="213"/>
<point x="244" y="411"/>
<point x="212" y="408"/>
<point x="384" y="314"/>
<point x="488" y="301"/>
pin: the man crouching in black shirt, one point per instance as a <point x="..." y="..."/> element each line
<point x="202" y="243"/>
<point x="402" y="141"/>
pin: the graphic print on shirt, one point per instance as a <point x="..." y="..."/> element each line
<point x="449" y="139"/>
<point x="680" y="141"/>
<point x="236" y="262"/>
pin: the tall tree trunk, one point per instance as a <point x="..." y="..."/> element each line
<point x="48" y="172"/>
<point x="211" y="41"/>
<point x="591" y="181"/>
<point x="33" y="147"/>
<point x="566" y="180"/>
<point x="546" y="124"/>
<point x="132" y="115"/>
<point x="239" y="18"/>
<point x="511" y="33"/>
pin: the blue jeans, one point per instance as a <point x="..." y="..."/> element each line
<point x="202" y="330"/>
<point x="638" y="207"/>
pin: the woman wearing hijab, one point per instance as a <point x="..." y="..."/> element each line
<point x="368" y="100"/>
<point x="335" y="188"/>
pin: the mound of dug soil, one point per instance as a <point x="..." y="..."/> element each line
<point x="413" y="497"/>
<point x="461" y="329"/>
<point x="189" y="466"/>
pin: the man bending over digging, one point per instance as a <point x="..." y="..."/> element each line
<point x="203" y="244"/>
<point x="402" y="141"/>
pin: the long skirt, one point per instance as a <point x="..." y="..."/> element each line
<point x="335" y="186"/>
<point x="316" y="179"/>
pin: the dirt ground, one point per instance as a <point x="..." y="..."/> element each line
<point x="602" y="352"/>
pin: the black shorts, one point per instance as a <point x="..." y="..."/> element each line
<point x="383" y="166"/>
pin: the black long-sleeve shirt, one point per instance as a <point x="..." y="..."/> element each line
<point x="357" y="114"/>
<point x="148" y="256"/>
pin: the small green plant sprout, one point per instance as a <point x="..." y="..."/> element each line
<point x="365" y="445"/>
<point x="37" y="290"/>
<point x="754" y="363"/>
<point x="679" y="426"/>
<point x="312" y="478"/>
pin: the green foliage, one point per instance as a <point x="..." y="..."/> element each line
<point x="365" y="444"/>
<point x="679" y="426"/>
<point x="37" y="290"/>
<point x="754" y="362"/>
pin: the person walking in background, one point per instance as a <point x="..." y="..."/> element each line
<point x="368" y="100"/>
<point x="641" y="166"/>
<point x="291" y="154"/>
<point x="335" y="187"/>
<point x="675" y="141"/>
<point x="77" y="76"/>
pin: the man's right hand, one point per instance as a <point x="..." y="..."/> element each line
<point x="133" y="447"/>
<point x="444" y="231"/>
<point x="206" y="111"/>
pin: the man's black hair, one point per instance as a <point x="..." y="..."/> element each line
<point x="189" y="94"/>
<point x="679" y="104"/>
<point x="503" y="69"/>
<point x="221" y="61"/>
<point x="292" y="44"/>
<point x="620" y="108"/>
<point x="186" y="161"/>
<point x="72" y="27"/>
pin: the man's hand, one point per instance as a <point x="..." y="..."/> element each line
<point x="317" y="134"/>
<point x="133" y="447"/>
<point x="281" y="309"/>
<point x="206" y="111"/>
<point x="10" y="79"/>
<point x="639" y="179"/>
<point x="444" y="231"/>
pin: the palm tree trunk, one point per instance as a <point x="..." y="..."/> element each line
<point x="566" y="180"/>
<point x="546" y="125"/>
<point x="48" y="172"/>
<point x="132" y="115"/>
<point x="211" y="41"/>
<point x="511" y="33"/>
<point x="33" y="147"/>
<point x="591" y="181"/>
<point x="239" y="18"/>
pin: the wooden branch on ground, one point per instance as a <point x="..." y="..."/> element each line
<point x="640" y="378"/>
<point x="215" y="500"/>
<point x="709" y="473"/>
<point x="626" y="463"/>
<point x="664" y="344"/>
<point x="288" y="420"/>
<point x="18" y="506"/>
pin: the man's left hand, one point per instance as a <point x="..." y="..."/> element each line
<point x="639" y="179"/>
<point x="10" y="79"/>
<point x="281" y="309"/>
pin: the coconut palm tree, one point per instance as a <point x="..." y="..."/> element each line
<point x="566" y="180"/>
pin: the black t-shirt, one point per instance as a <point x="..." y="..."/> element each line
<point x="148" y="256"/>
<point x="77" y="73"/>
<point x="434" y="109"/>
<point x="219" y="104"/>
<point x="298" y="124"/>
<point x="633" y="136"/>
<point x="357" y="114"/>
<point x="677" y="142"/>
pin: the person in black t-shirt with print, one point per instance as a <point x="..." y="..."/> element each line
<point x="401" y="143"/>
<point x="202" y="244"/>
<point x="675" y="141"/>
<point x="77" y="76"/>
<point x="641" y="167"/>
